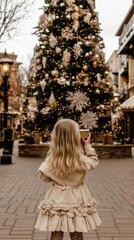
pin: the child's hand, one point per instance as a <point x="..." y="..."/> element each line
<point x="88" y="140"/>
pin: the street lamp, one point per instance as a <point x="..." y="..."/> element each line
<point x="116" y="98"/>
<point x="5" y="69"/>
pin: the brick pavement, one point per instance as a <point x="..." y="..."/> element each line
<point x="112" y="184"/>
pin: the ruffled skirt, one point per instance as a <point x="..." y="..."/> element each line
<point x="68" y="209"/>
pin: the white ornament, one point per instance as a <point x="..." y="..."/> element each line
<point x="67" y="33"/>
<point x="44" y="60"/>
<point x="62" y="4"/>
<point x="43" y="84"/>
<point x="58" y="49"/>
<point x="77" y="50"/>
<point x="31" y="116"/>
<point x="75" y="26"/>
<point x="45" y="111"/>
<point x="87" y="43"/>
<point x="46" y="76"/>
<point x="31" y="108"/>
<point x="97" y="91"/>
<point x="78" y="100"/>
<point x="68" y="16"/>
<point x="87" y="54"/>
<point x="38" y="67"/>
<point x="98" y="77"/>
<point x="75" y="16"/>
<point x="52" y="101"/>
<point x="87" y="18"/>
<point x="88" y="120"/>
<point x="62" y="80"/>
<point x="66" y="57"/>
<point x="53" y="41"/>
<point x="85" y="67"/>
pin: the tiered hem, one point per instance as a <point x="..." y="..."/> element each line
<point x="77" y="213"/>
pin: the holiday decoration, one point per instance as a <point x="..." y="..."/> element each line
<point x="43" y="84"/>
<point x="52" y="41"/>
<point x="78" y="50"/>
<point x="52" y="101"/>
<point x="88" y="120"/>
<point x="78" y="100"/>
<point x="68" y="76"/>
<point x="66" y="57"/>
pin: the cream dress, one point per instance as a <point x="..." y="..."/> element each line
<point x="68" y="205"/>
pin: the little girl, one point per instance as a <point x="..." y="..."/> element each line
<point x="68" y="205"/>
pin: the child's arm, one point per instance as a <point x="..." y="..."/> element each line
<point x="43" y="172"/>
<point x="91" y="159"/>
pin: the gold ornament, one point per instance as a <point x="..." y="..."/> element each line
<point x="46" y="76"/>
<point x="52" y="101"/>
<point x="97" y="91"/>
<point x="85" y="67"/>
<point x="55" y="73"/>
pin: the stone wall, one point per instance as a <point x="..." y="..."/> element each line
<point x="103" y="151"/>
<point x="113" y="151"/>
<point x="33" y="150"/>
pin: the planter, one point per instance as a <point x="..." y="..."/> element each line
<point x="99" y="139"/>
<point x="37" y="138"/>
<point x="108" y="139"/>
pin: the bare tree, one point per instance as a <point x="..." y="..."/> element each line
<point x="13" y="13"/>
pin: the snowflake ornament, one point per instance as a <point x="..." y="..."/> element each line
<point x="78" y="50"/>
<point x="78" y="100"/>
<point x="45" y="110"/>
<point x="67" y="33"/>
<point x="66" y="57"/>
<point x="88" y="120"/>
<point x="53" y="41"/>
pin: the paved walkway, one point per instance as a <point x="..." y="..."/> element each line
<point x="112" y="184"/>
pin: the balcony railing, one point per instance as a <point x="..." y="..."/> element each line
<point x="124" y="93"/>
<point x="127" y="33"/>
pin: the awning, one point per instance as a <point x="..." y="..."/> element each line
<point x="128" y="104"/>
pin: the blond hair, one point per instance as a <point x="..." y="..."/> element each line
<point x="65" y="152"/>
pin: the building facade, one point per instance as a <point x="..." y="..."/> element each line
<point x="14" y="92"/>
<point x="121" y="65"/>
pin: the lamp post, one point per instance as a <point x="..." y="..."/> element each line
<point x="116" y="97"/>
<point x="5" y="69"/>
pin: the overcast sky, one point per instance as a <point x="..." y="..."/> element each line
<point x="111" y="15"/>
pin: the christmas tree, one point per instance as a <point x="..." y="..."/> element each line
<point x="68" y="76"/>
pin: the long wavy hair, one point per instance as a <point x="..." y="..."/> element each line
<point x="65" y="153"/>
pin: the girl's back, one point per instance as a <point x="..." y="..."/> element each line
<point x="68" y="205"/>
